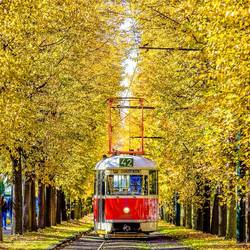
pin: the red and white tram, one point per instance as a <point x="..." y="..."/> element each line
<point x="126" y="194"/>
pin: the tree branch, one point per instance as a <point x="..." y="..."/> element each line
<point x="61" y="40"/>
<point x="176" y="22"/>
<point x="186" y="147"/>
<point x="46" y="82"/>
<point x="169" y="49"/>
<point x="164" y="15"/>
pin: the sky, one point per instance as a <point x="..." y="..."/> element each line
<point x="130" y="63"/>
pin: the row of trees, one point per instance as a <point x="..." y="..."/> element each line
<point x="194" y="68"/>
<point x="59" y="61"/>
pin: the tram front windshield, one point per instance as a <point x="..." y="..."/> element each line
<point x="126" y="184"/>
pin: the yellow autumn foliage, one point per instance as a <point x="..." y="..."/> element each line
<point x="59" y="61"/>
<point x="196" y="73"/>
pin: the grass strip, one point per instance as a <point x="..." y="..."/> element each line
<point x="48" y="237"/>
<point x="198" y="240"/>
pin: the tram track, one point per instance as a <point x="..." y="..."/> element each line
<point x="94" y="242"/>
<point x="86" y="242"/>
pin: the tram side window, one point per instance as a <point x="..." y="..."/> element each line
<point x="145" y="185"/>
<point x="110" y="185"/>
<point x="153" y="182"/>
<point x="101" y="183"/>
<point x="95" y="185"/>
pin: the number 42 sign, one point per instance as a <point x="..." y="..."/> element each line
<point x="126" y="162"/>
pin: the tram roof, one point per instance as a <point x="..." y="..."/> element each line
<point x="113" y="162"/>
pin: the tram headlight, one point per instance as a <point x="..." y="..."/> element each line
<point x="126" y="210"/>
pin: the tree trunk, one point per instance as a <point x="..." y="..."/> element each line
<point x="53" y="206"/>
<point x="240" y="219"/>
<point x="17" y="195"/>
<point x="215" y="215"/>
<point x="194" y="217"/>
<point x="76" y="209"/>
<point x="80" y="208"/>
<point x="33" y="204"/>
<point x="248" y="214"/>
<point x="231" y="218"/>
<point x="1" y="219"/>
<point x="206" y="210"/>
<point x="63" y="207"/>
<point x="189" y="216"/>
<point x="162" y="215"/>
<point x="222" y="220"/>
<point x="68" y="206"/>
<point x="72" y="209"/>
<point x="41" y="205"/>
<point x="58" y="207"/>
<point x="48" y="207"/>
<point x="178" y="215"/>
<point x="167" y="215"/>
<point x="177" y="210"/>
<point x="183" y="215"/>
<point x="222" y="216"/>
<point x="27" y="204"/>
<point x="199" y="219"/>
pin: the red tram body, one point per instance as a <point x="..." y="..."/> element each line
<point x="126" y="194"/>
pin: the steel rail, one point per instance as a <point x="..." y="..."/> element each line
<point x="102" y="245"/>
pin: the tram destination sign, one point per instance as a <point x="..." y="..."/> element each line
<point x="124" y="171"/>
<point x="126" y="162"/>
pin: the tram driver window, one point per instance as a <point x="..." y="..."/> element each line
<point x="135" y="184"/>
<point x="124" y="184"/>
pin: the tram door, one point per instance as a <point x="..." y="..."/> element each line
<point x="100" y="196"/>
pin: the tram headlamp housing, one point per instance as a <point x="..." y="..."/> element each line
<point x="126" y="210"/>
